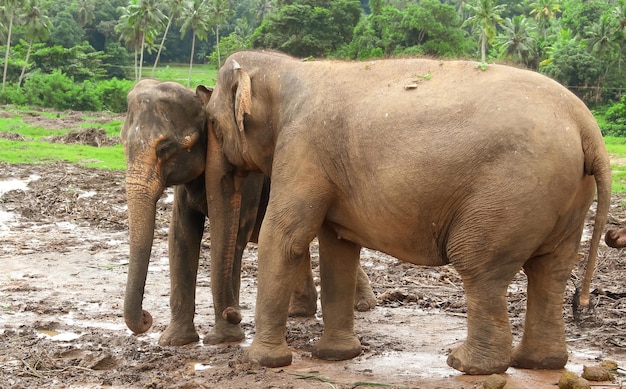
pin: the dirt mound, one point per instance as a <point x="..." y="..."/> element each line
<point x="96" y="137"/>
<point x="12" y="136"/>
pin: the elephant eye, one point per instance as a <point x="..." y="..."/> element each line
<point x="165" y="148"/>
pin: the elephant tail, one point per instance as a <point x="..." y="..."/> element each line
<point x="597" y="163"/>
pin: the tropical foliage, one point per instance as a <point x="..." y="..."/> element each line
<point x="581" y="44"/>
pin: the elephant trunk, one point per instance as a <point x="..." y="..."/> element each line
<point x="615" y="238"/>
<point x="141" y="198"/>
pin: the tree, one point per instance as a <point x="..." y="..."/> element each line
<point x="544" y="11"/>
<point x="10" y="7"/>
<point x="85" y="12"/>
<point x="130" y="35"/>
<point x="220" y="12"/>
<point x="195" y="17"/>
<point x="573" y="66"/>
<point x="262" y="8"/>
<point x="517" y="41"/>
<point x="174" y="7"/>
<point x="36" y="24"/>
<point x="600" y="37"/>
<point x="485" y="16"/>
<point x="309" y="27"/>
<point x="147" y="17"/>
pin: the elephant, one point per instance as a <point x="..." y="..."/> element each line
<point x="489" y="169"/>
<point x="616" y="238"/>
<point x="165" y="142"/>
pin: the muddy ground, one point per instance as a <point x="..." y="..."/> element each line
<point x="63" y="263"/>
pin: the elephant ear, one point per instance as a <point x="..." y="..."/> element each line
<point x="243" y="100"/>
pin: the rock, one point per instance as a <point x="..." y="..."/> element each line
<point x="581" y="383"/>
<point x="609" y="365"/>
<point x="494" y="381"/>
<point x="570" y="380"/>
<point x="596" y="373"/>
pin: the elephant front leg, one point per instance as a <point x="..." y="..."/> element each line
<point x="339" y="262"/>
<point x="184" y="238"/>
<point x="275" y="286"/>
<point x="543" y="343"/>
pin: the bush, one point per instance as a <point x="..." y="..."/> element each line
<point x="59" y="91"/>
<point x="615" y="117"/>
<point x="112" y="94"/>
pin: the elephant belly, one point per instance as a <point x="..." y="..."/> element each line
<point x="394" y="240"/>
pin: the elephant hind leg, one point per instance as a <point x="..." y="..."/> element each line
<point x="339" y="261"/>
<point x="486" y="275"/>
<point x="364" y="298"/>
<point x="543" y="342"/>
<point x="303" y="300"/>
<point x="487" y="349"/>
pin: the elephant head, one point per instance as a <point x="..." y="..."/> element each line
<point x="164" y="137"/>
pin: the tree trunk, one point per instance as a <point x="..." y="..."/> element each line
<point x="217" y="42"/>
<point x="193" y="45"/>
<point x="143" y="41"/>
<point x="156" y="61"/>
<point x="6" y="55"/>
<point x="30" y="45"/>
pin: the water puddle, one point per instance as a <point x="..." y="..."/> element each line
<point x="57" y="336"/>
<point x="193" y="366"/>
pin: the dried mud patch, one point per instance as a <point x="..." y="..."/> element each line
<point x="64" y="258"/>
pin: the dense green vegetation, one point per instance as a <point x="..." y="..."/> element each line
<point x="579" y="43"/>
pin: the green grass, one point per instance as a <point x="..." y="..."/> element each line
<point x="616" y="146"/>
<point x="38" y="152"/>
<point x="201" y="74"/>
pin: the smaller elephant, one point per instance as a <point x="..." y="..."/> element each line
<point x="616" y="238"/>
<point x="165" y="142"/>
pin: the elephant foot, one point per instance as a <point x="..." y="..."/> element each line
<point x="333" y="348"/>
<point x="364" y="300"/>
<point x="539" y="358"/>
<point x="473" y="361"/>
<point x="177" y="336"/>
<point x="269" y="355"/>
<point x="224" y="334"/>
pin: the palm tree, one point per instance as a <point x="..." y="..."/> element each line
<point x="601" y="35"/>
<point x="220" y="12"/>
<point x="517" y="41"/>
<point x="10" y="6"/>
<point x="485" y="15"/>
<point x="262" y="8"/>
<point x="174" y="7"/>
<point x="36" y="24"/>
<point x="129" y="34"/>
<point x="85" y="12"/>
<point x="544" y="11"/>
<point x="146" y="17"/>
<point x="195" y="16"/>
<point x="620" y="14"/>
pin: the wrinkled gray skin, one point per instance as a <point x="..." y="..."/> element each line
<point x="491" y="171"/>
<point x="164" y="138"/>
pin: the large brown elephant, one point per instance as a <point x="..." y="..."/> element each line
<point x="165" y="138"/>
<point x="433" y="162"/>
